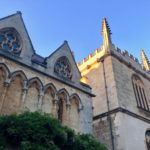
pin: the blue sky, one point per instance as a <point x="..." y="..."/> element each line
<point x="50" y="22"/>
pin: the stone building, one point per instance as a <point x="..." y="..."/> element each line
<point x="55" y="85"/>
<point x="122" y="88"/>
<point x="31" y="82"/>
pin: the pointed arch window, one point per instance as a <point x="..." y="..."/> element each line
<point x="10" y="40"/>
<point x="62" y="67"/>
<point x="139" y="91"/>
<point x="147" y="139"/>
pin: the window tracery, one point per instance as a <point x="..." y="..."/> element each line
<point x="139" y="91"/>
<point x="10" y="41"/>
<point x="62" y="68"/>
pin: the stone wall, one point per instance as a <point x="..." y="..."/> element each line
<point x="126" y="96"/>
<point x="96" y="79"/>
<point x="25" y="89"/>
<point x="102" y="131"/>
<point x="130" y="132"/>
<point x="111" y="82"/>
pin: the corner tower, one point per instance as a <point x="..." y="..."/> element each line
<point x="97" y="71"/>
<point x="122" y="103"/>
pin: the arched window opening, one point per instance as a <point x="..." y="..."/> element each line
<point x="147" y="138"/>
<point x="139" y="91"/>
<point x="12" y="101"/>
<point x="62" y="107"/>
<point x="47" y="100"/>
<point x="74" y="114"/>
<point x="33" y="94"/>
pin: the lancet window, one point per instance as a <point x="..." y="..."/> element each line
<point x="140" y="94"/>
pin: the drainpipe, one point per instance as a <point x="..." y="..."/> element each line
<point x="108" y="107"/>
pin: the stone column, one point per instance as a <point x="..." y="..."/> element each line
<point x="6" y="85"/>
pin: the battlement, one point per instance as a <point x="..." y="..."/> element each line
<point x="91" y="58"/>
<point x="125" y="53"/>
<point x="98" y="53"/>
<point x="109" y="49"/>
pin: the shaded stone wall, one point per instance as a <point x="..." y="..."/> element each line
<point x="102" y="132"/>
<point x="23" y="89"/>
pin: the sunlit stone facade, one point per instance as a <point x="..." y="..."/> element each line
<point x="122" y="104"/>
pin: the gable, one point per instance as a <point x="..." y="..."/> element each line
<point x="14" y="24"/>
<point x="69" y="70"/>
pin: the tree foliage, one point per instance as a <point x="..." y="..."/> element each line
<point x="38" y="131"/>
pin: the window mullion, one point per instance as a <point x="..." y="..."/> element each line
<point x="139" y="100"/>
<point x="145" y="99"/>
<point x="136" y="94"/>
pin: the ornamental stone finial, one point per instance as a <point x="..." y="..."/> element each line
<point x="106" y="34"/>
<point x="145" y="61"/>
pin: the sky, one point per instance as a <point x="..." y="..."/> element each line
<point x="50" y="22"/>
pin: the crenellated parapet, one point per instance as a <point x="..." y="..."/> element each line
<point x="90" y="57"/>
<point x="127" y="55"/>
<point x="94" y="58"/>
<point x="91" y="60"/>
<point x="108" y="49"/>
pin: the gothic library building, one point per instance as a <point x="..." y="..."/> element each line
<point x="106" y="95"/>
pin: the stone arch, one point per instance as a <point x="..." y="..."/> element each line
<point x="76" y="106"/>
<point x="137" y="78"/>
<point x="76" y="96"/>
<point x="4" y="73"/>
<point x="34" y="91"/>
<point x="48" y="98"/>
<point x="65" y="93"/>
<point x="12" y="101"/>
<point x="51" y="85"/>
<point x="63" y="105"/>
<point x="37" y="80"/>
<point x="5" y="68"/>
<point x="140" y="93"/>
<point x="18" y="72"/>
